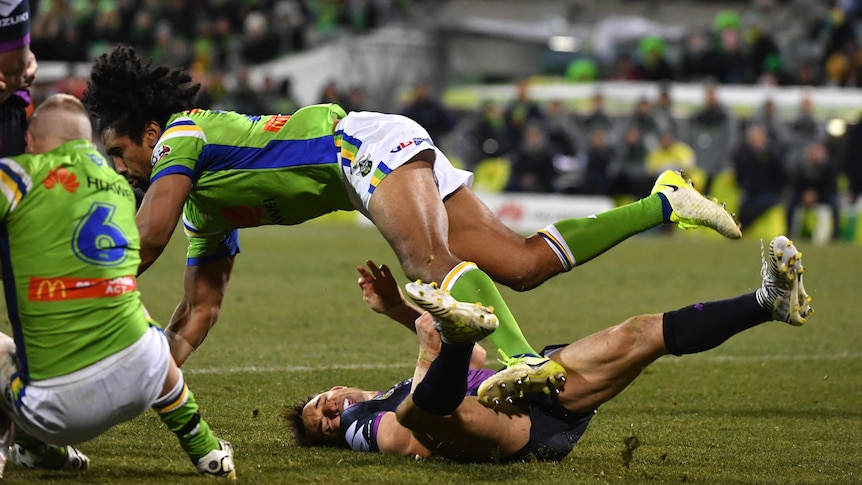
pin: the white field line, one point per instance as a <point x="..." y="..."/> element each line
<point x="491" y="364"/>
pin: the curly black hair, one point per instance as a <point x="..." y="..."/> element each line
<point x="124" y="93"/>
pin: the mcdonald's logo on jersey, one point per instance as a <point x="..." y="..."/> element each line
<point x="52" y="289"/>
<point x="58" y="289"/>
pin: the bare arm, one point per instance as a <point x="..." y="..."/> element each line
<point x="157" y="218"/>
<point x="395" y="439"/>
<point x="18" y="69"/>
<point x="382" y="294"/>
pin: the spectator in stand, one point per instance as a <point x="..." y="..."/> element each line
<point x="521" y="112"/>
<point x="533" y="162"/>
<point x="486" y="134"/>
<point x="598" y="118"/>
<point x="853" y="161"/>
<point x="429" y="112"/>
<point x="815" y="186"/>
<point x="626" y="69"/>
<point x="628" y="172"/>
<point x="776" y="129"/>
<point x="663" y="110"/>
<point x="805" y="127"/>
<point x="671" y="154"/>
<point x="331" y="94"/>
<point x="243" y="98"/>
<point x="833" y="30"/>
<point x="652" y="64"/>
<point x="760" y="174"/>
<point x="712" y="134"/>
<point x="596" y="180"/>
<point x="356" y="100"/>
<point x="642" y="118"/>
<point x="727" y="57"/>
<point x="562" y="129"/>
<point x="759" y="46"/>
<point x="699" y="59"/>
<point x="278" y="97"/>
<point x="260" y="43"/>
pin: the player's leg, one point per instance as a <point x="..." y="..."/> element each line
<point x="178" y="409"/>
<point x="204" y="289"/>
<point x="437" y="412"/>
<point x="476" y="234"/>
<point x="21" y="448"/>
<point x="407" y="210"/>
<point x="603" y="364"/>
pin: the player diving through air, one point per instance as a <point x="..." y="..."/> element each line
<point x="221" y="171"/>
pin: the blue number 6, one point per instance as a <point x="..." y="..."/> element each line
<point x="97" y="239"/>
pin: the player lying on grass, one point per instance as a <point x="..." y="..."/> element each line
<point x="221" y="171"/>
<point x="436" y="412"/>
<point x="85" y="355"/>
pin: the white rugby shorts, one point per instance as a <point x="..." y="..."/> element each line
<point x="79" y="406"/>
<point x="385" y="142"/>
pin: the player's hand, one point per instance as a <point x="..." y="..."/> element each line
<point x="379" y="289"/>
<point x="429" y="338"/>
<point x="30" y="71"/>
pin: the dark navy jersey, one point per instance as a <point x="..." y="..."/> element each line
<point x="360" y="421"/>
<point x="15" y="33"/>
<point x="14" y="24"/>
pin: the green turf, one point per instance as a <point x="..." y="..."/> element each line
<point x="777" y="404"/>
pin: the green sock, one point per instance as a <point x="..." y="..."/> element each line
<point x="179" y="411"/>
<point x="49" y="457"/>
<point x="468" y="283"/>
<point x="576" y="241"/>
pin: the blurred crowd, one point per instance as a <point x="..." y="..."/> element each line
<point x="770" y="42"/>
<point x="768" y="161"/>
<point x="216" y="35"/>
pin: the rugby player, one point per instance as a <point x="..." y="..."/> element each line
<point x="221" y="171"/>
<point x="437" y="412"/>
<point x="18" y="68"/>
<point x="86" y="355"/>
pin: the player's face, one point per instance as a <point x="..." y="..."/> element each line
<point x="131" y="160"/>
<point x="322" y="415"/>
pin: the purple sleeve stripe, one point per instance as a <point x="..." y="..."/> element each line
<point x="374" y="431"/>
<point x="11" y="45"/>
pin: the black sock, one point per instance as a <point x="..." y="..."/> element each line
<point x="704" y="326"/>
<point x="445" y="383"/>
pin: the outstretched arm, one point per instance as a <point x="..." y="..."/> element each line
<point x="382" y="294"/>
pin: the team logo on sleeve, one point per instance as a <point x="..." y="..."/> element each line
<point x="363" y="165"/>
<point x="160" y="152"/>
<point x="64" y="178"/>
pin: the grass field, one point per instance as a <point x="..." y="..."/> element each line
<point x="777" y="404"/>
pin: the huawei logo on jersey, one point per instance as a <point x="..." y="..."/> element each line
<point x="243" y="216"/>
<point x="63" y="177"/>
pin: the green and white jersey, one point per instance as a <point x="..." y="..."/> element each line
<point x="253" y="170"/>
<point x="69" y="249"/>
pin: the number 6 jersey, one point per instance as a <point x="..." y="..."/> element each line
<point x="69" y="249"/>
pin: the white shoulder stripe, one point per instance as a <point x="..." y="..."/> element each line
<point x="9" y="187"/>
<point x="177" y="132"/>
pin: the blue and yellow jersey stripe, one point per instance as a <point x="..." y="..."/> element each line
<point x="15" y="182"/>
<point x="379" y="174"/>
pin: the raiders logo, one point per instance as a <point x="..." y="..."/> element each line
<point x="363" y="166"/>
<point x="160" y="152"/>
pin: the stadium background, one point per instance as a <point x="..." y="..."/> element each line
<point x="774" y="405"/>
